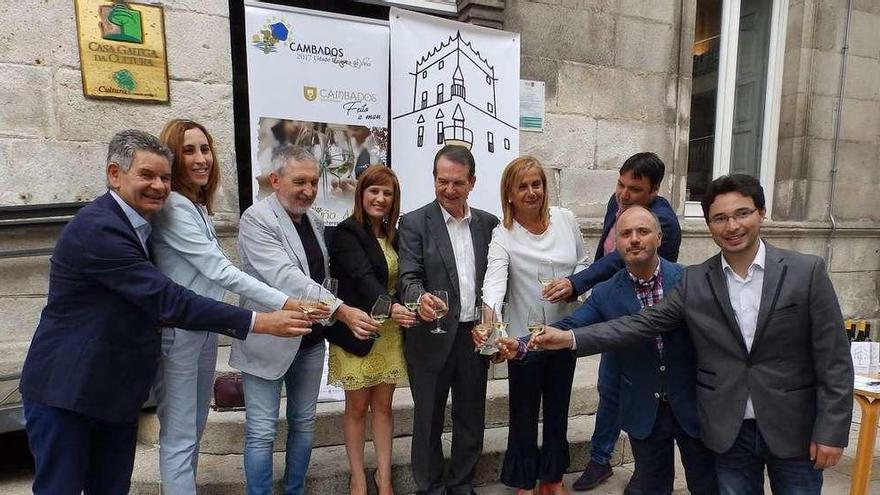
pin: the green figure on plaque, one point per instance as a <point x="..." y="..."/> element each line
<point x="121" y="23"/>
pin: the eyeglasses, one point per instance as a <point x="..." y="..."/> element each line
<point x="738" y="215"/>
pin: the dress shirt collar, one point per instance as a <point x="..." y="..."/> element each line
<point x="447" y="215"/>
<point x="758" y="262"/>
<point x="139" y="223"/>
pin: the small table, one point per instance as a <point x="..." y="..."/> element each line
<point x="869" y="403"/>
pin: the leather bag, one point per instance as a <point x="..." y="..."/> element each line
<point x="228" y="391"/>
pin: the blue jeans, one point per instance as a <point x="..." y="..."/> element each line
<point x="607" y="429"/>
<point x="741" y="468"/>
<point x="262" y="400"/>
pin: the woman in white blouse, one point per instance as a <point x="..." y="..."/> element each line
<point x="185" y="247"/>
<point x="530" y="236"/>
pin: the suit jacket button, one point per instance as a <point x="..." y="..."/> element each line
<point x="656" y="395"/>
<point x="663" y="368"/>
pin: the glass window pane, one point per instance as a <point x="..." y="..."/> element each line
<point x="707" y="45"/>
<point x="751" y="86"/>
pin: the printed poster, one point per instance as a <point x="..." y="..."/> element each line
<point x="320" y="81"/>
<point x="452" y="83"/>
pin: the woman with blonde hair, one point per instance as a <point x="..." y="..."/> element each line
<point x="363" y="257"/>
<point x="532" y="250"/>
<point x="186" y="249"/>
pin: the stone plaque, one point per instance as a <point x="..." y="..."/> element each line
<point x="122" y="50"/>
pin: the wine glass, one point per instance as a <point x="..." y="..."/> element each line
<point x="546" y="273"/>
<point x="536" y="320"/>
<point x="413" y="295"/>
<point x="331" y="288"/>
<point x="499" y="324"/>
<point x="381" y="311"/>
<point x="440" y="310"/>
<point x="485" y="318"/>
<point x="309" y="299"/>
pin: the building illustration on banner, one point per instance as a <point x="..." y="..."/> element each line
<point x="454" y="100"/>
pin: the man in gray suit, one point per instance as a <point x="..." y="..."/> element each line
<point x="774" y="374"/>
<point x="443" y="246"/>
<point x="281" y="243"/>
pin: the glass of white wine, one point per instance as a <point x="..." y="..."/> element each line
<point x="440" y="310"/>
<point x="412" y="297"/>
<point x="499" y="324"/>
<point x="546" y="274"/>
<point x="331" y="288"/>
<point x="536" y="321"/>
<point x="381" y="311"/>
<point x="309" y="299"/>
<point x="483" y="326"/>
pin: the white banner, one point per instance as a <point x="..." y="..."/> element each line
<point x="452" y="83"/>
<point x="321" y="81"/>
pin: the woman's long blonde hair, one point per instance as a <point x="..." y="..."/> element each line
<point x="509" y="179"/>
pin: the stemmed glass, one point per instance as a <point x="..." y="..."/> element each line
<point x="535" y="322"/>
<point x="309" y="299"/>
<point x="328" y="295"/>
<point x="485" y="319"/>
<point x="498" y="322"/>
<point x="440" y="310"/>
<point x="413" y="295"/>
<point x="381" y="311"/>
<point x="546" y="273"/>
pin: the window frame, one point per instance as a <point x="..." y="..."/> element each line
<point x="726" y="92"/>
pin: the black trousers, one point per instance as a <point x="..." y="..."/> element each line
<point x="543" y="377"/>
<point x="465" y="374"/>
<point x="655" y="459"/>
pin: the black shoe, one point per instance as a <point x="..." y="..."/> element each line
<point x="594" y="474"/>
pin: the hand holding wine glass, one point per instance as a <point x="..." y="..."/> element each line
<point x="310" y="303"/>
<point x="482" y="327"/>
<point x="535" y="322"/>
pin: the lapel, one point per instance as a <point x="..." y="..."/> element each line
<point x="718" y="285"/>
<point x="481" y="247"/>
<point x="629" y="298"/>
<point x="437" y="227"/>
<point x="610" y="215"/>
<point x="375" y="255"/>
<point x="288" y="231"/>
<point x="107" y="201"/>
<point x="774" y="275"/>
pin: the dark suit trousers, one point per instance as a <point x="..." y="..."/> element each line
<point x="465" y="373"/>
<point x="655" y="459"/>
<point x="75" y="453"/>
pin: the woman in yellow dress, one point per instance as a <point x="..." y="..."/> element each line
<point x="363" y="257"/>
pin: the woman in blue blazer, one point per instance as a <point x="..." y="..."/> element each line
<point x="185" y="247"/>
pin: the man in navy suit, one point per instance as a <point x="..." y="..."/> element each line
<point x="96" y="349"/>
<point x="638" y="185"/>
<point x="657" y="379"/>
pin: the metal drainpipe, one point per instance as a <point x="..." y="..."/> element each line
<point x="829" y="246"/>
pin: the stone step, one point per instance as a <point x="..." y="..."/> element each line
<point x="328" y="471"/>
<point x="226" y="430"/>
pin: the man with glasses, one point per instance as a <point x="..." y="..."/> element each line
<point x="774" y="375"/>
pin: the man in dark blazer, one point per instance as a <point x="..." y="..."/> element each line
<point x="658" y="405"/>
<point x="444" y="246"/>
<point x="95" y="352"/>
<point x="774" y="373"/>
<point x="638" y="185"/>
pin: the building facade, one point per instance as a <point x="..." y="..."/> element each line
<point x="785" y="89"/>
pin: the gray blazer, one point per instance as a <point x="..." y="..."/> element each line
<point x="799" y="371"/>
<point x="272" y="252"/>
<point x="427" y="258"/>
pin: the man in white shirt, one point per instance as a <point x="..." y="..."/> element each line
<point x="774" y="374"/>
<point x="444" y="246"/>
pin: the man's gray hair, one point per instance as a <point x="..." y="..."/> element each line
<point x="284" y="154"/>
<point x="126" y="143"/>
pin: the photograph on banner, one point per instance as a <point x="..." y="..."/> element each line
<point x="452" y="83"/>
<point x="318" y="80"/>
<point x="342" y="151"/>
